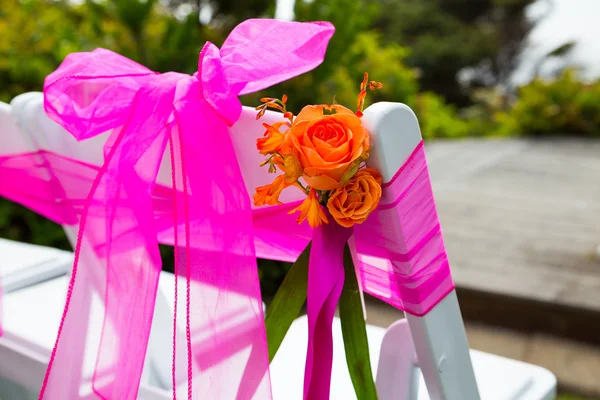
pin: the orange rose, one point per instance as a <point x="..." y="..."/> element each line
<point x="352" y="203"/>
<point x="327" y="145"/>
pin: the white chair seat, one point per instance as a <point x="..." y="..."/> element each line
<point x="498" y="378"/>
<point x="32" y="315"/>
<point x="23" y="264"/>
<point x="30" y="321"/>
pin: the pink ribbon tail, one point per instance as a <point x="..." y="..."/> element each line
<point x="325" y="283"/>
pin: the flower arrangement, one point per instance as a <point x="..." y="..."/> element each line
<point x="326" y="147"/>
<point x="322" y="151"/>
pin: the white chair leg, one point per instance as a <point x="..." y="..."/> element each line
<point x="443" y="352"/>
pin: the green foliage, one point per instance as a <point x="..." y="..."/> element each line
<point x="439" y="119"/>
<point x="567" y="396"/>
<point x="565" y="105"/>
<point x="21" y="224"/>
<point x="385" y="63"/>
<point x="350" y="18"/>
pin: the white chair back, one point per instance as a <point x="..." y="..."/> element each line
<point x="35" y="131"/>
<point x="11" y="141"/>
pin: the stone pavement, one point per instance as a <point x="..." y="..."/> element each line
<point x="521" y="217"/>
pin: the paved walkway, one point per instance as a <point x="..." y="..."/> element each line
<point x="522" y="217"/>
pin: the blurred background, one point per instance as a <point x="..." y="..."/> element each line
<point x="508" y="98"/>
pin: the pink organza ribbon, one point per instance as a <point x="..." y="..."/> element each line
<point x="400" y="248"/>
<point x="206" y="215"/>
<point x="146" y="113"/>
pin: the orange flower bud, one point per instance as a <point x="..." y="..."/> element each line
<point x="363" y="84"/>
<point x="275" y="106"/>
<point x="361" y="99"/>
<point x="311" y="209"/>
<point x="261" y="113"/>
<point x="375" y="85"/>
<point x="269" y="194"/>
<point x="272" y="140"/>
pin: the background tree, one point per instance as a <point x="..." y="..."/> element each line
<point x="483" y="39"/>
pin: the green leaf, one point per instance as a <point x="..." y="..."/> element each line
<point x="287" y="303"/>
<point x="351" y="171"/>
<point x="354" y="331"/>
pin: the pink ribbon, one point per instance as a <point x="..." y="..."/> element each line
<point x="325" y="283"/>
<point x="145" y="112"/>
<point x="414" y="277"/>
<point x="402" y="259"/>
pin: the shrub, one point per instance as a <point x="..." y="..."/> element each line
<point x="437" y="118"/>
<point x="565" y="105"/>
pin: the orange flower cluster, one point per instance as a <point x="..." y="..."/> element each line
<point x="322" y="151"/>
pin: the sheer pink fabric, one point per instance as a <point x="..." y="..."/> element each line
<point x="92" y="93"/>
<point x="206" y="215"/>
<point x="400" y="247"/>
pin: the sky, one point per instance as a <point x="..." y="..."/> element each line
<point x="577" y="20"/>
<point x="567" y="20"/>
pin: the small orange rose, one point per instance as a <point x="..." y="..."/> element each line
<point x="311" y="209"/>
<point x="328" y="139"/>
<point x="352" y="203"/>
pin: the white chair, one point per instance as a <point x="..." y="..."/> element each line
<point x="21" y="264"/>
<point x="436" y="364"/>
<point x="35" y="292"/>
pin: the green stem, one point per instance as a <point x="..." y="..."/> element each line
<point x="354" y="332"/>
<point x="287" y="303"/>
<point x="301" y="186"/>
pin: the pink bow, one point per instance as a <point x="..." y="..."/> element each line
<point x="146" y="112"/>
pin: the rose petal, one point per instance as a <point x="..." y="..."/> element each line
<point x="314" y="158"/>
<point x="322" y="147"/>
<point x="339" y="154"/>
<point x="320" y="182"/>
<point x="309" y="113"/>
<point x="335" y="171"/>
